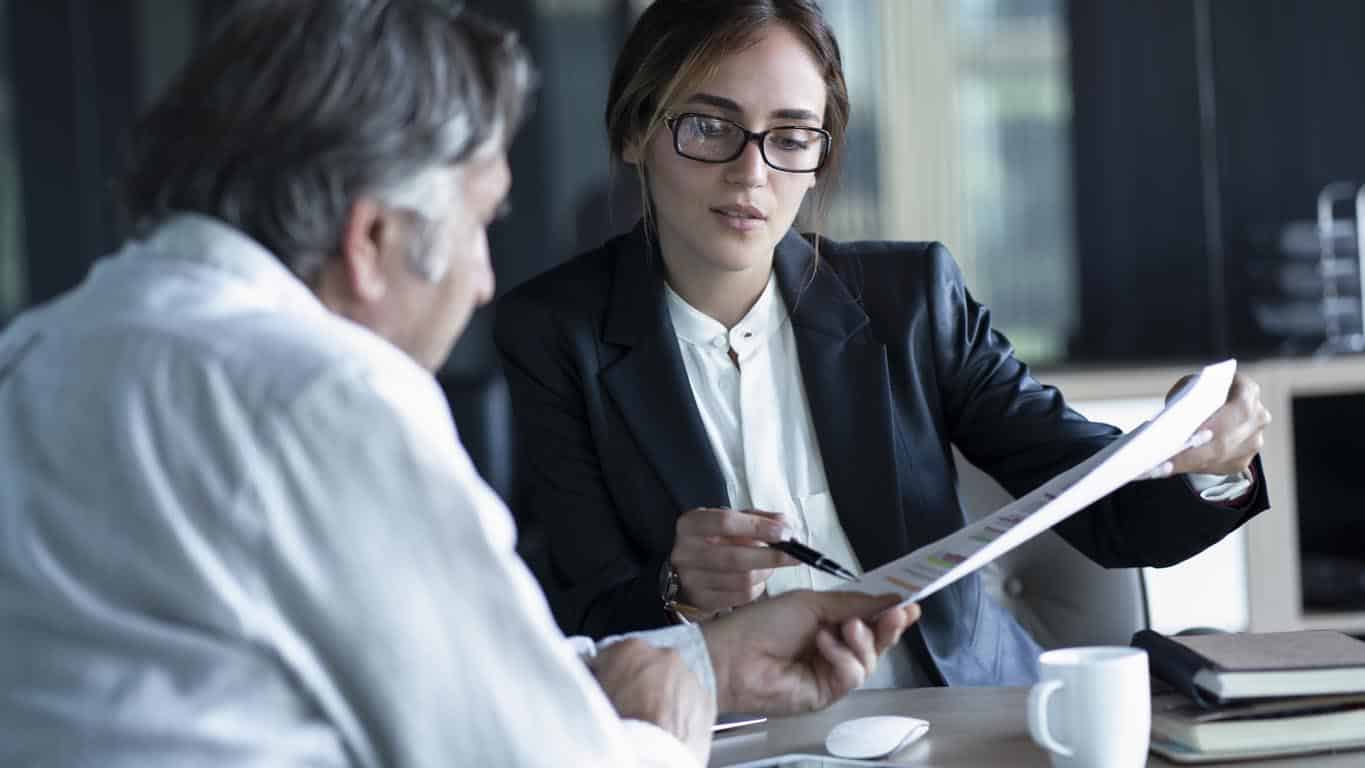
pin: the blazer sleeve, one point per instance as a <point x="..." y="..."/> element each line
<point x="597" y="580"/>
<point x="1022" y="433"/>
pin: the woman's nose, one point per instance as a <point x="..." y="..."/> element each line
<point x="749" y="169"/>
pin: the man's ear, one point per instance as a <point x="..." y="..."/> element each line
<point x="363" y="241"/>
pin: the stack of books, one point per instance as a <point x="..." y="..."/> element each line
<point x="1244" y="695"/>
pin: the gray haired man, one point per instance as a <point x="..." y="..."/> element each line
<point x="237" y="526"/>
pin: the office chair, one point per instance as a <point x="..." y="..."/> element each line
<point x="1062" y="597"/>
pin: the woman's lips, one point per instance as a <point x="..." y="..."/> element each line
<point x="741" y="218"/>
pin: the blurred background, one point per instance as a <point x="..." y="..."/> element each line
<point x="1124" y="183"/>
<point x="1121" y="182"/>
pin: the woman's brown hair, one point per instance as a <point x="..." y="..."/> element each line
<point x="677" y="44"/>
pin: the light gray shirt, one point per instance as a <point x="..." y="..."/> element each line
<point x="237" y="529"/>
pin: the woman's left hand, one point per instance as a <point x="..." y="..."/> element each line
<point x="1227" y="442"/>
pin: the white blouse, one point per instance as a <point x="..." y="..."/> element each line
<point x="757" y="417"/>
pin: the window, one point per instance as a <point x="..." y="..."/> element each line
<point x="961" y="132"/>
<point x="12" y="279"/>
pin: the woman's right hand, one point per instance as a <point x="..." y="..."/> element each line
<point x="719" y="558"/>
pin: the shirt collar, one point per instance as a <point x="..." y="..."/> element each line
<point x="198" y="239"/>
<point x="762" y="320"/>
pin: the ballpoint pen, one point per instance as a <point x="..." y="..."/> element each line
<point x="813" y="558"/>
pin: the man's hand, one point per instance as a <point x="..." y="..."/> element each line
<point x="802" y="650"/>
<point x="718" y="557"/>
<point x="1227" y="442"/>
<point x="655" y="685"/>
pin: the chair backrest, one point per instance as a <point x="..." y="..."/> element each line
<point x="1062" y="597"/>
<point x="482" y="410"/>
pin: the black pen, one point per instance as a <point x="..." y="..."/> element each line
<point x="812" y="558"/>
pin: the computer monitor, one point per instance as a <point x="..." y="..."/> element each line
<point x="1308" y="551"/>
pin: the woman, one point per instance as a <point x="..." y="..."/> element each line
<point x="714" y="380"/>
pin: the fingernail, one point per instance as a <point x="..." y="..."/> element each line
<point x="780" y="533"/>
<point x="1202" y="437"/>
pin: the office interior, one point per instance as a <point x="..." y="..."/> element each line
<point x="1135" y="189"/>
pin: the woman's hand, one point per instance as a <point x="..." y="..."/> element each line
<point x="719" y="557"/>
<point x="1227" y="442"/>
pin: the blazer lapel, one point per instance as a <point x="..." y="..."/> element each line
<point x="848" y="387"/>
<point x="649" y="384"/>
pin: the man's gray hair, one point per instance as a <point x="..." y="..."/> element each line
<point x="294" y="110"/>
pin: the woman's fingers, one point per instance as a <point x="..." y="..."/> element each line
<point x="728" y="523"/>
<point x="727" y="558"/>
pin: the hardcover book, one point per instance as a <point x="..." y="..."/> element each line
<point x="1188" y="732"/>
<point x="1216" y="668"/>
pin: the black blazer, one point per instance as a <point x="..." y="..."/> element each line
<point x="899" y="362"/>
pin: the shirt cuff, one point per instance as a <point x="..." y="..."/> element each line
<point x="687" y="640"/>
<point x="1221" y="488"/>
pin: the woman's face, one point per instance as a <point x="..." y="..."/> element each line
<point x="728" y="217"/>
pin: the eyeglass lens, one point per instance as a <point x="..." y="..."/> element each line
<point x="716" y="140"/>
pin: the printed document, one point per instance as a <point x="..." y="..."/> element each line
<point x="933" y="567"/>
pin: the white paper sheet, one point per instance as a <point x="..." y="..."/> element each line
<point x="933" y="567"/>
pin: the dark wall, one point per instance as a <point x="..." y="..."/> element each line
<point x="1291" y="119"/>
<point x="73" y="86"/>
<point x="1181" y="187"/>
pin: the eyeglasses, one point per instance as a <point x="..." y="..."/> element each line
<point x="708" y="139"/>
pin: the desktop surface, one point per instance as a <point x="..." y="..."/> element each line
<point x="968" y="727"/>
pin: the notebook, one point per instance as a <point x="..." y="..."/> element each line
<point x="1223" y="667"/>
<point x="1257" y="728"/>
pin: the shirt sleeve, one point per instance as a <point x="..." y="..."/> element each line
<point x="398" y="600"/>
<point x="686" y="639"/>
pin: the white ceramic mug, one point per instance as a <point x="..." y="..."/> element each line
<point x="1092" y="707"/>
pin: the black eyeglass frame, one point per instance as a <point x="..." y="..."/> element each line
<point x="673" y="120"/>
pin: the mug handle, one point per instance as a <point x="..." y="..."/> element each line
<point x="1038" y="697"/>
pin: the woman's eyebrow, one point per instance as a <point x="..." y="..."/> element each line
<point x="730" y="105"/>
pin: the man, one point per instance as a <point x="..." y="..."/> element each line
<point x="238" y="527"/>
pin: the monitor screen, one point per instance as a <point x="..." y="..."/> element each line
<point x="1329" y="466"/>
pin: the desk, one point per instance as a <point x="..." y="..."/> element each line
<point x="968" y="727"/>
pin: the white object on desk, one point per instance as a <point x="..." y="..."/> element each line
<point x="1092" y="708"/>
<point x="803" y="760"/>
<point x="726" y="721"/>
<point x="865" y="738"/>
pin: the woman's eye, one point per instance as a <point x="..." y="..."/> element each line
<point x="711" y="127"/>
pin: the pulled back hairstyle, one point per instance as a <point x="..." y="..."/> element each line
<point x="296" y="108"/>
<point x="677" y="44"/>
